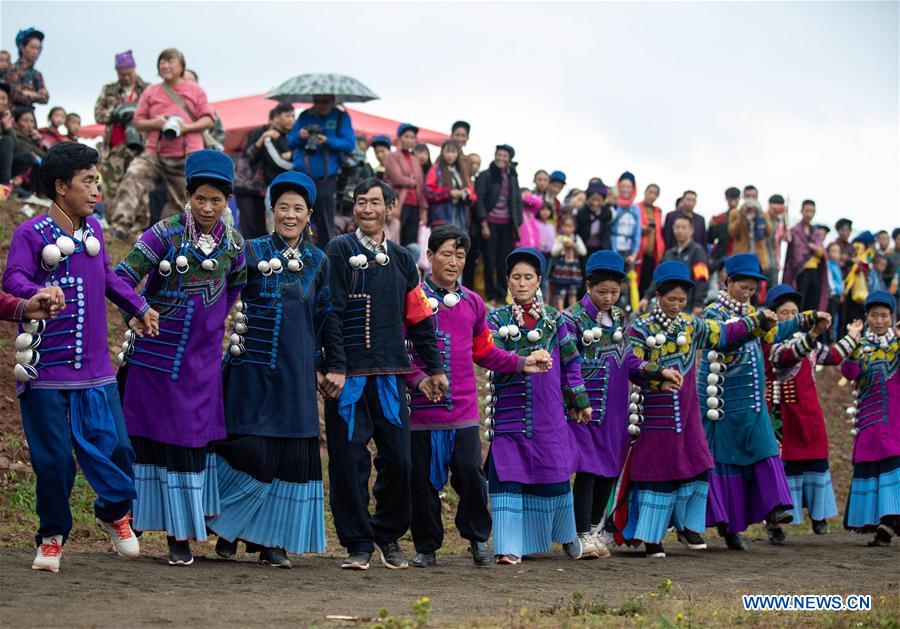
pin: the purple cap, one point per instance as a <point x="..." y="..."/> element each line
<point x="125" y="60"/>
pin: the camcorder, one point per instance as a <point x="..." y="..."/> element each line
<point x="124" y="115"/>
<point x="313" y="142"/>
<point x="172" y="128"/>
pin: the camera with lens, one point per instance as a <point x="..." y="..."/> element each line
<point x="313" y="142"/>
<point x="124" y="115"/>
<point x="172" y="127"/>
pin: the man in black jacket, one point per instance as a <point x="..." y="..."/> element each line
<point x="592" y="221"/>
<point x="498" y="212"/>
<point x="258" y="164"/>
<point x="686" y="250"/>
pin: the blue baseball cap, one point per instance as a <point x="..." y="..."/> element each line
<point x="382" y="140"/>
<point x="526" y="254"/>
<point x="782" y="290"/>
<point x="404" y="127"/>
<point x="672" y="271"/>
<point x="209" y="164"/>
<point x="292" y="180"/>
<point x="744" y="265"/>
<point x="605" y="260"/>
<point x="558" y="175"/>
<point x="881" y="298"/>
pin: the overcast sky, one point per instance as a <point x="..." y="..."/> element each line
<point x="797" y="98"/>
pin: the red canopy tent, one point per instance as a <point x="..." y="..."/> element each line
<point x="240" y="115"/>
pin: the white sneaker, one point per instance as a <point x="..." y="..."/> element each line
<point x="588" y="547"/>
<point x="124" y="541"/>
<point x="600" y="543"/>
<point x="48" y="554"/>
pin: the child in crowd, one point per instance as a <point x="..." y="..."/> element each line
<point x="565" y="274"/>
<point x="835" y="288"/>
<point x="73" y="126"/>
<point x="876" y="274"/>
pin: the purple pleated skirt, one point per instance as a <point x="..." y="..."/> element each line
<point x="741" y="495"/>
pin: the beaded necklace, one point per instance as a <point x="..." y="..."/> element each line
<point x="881" y="340"/>
<point x="733" y="306"/>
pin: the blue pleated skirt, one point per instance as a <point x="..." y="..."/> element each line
<point x="527" y="519"/>
<point x="177" y="489"/>
<point x="810" y="485"/>
<point x="874" y="494"/>
<point x="271" y="493"/>
<point x="655" y="506"/>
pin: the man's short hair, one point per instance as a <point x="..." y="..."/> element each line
<point x="18" y="112"/>
<point x="687" y="192"/>
<point x="280" y="108"/>
<point x="652" y="185"/>
<point x="732" y="193"/>
<point x="63" y="161"/>
<point x="443" y="233"/>
<point x="683" y="217"/>
<point x="72" y="114"/>
<point x="461" y="124"/>
<point x="777" y="198"/>
<point x="172" y="53"/>
<point x="808" y="202"/>
<point x="387" y="192"/>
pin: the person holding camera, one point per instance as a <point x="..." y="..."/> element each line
<point x="115" y="108"/>
<point x="320" y="138"/>
<point x="174" y="115"/>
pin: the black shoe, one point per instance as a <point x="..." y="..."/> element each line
<point x="779" y="516"/>
<point x="734" y="541"/>
<point x="275" y="557"/>
<point x="357" y="561"/>
<point x="481" y="554"/>
<point x="654" y="550"/>
<point x="692" y="540"/>
<point x="882" y="537"/>
<point x="391" y="555"/>
<point x="820" y="527"/>
<point x="226" y="549"/>
<point x="179" y="553"/>
<point x="424" y="560"/>
<point x="776" y="536"/>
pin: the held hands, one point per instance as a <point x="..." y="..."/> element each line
<point x="582" y="415"/>
<point x="147" y="324"/>
<point x="823" y="322"/>
<point x="538" y="361"/>
<point x="434" y="387"/>
<point x="767" y="319"/>
<point x="46" y="303"/>
<point x="331" y="384"/>
<point x="672" y="377"/>
<point x="854" y="330"/>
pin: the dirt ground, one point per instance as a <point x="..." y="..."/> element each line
<point x="100" y="589"/>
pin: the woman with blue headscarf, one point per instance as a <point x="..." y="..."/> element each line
<point x="269" y="469"/>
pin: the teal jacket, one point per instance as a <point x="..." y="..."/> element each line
<point x="743" y="434"/>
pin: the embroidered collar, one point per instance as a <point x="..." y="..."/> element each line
<point x="207" y="243"/>
<point x="287" y="251"/>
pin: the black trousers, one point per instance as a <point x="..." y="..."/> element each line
<point x="323" y="210"/>
<point x="590" y="494"/>
<point x="495" y="251"/>
<point x="350" y="466"/>
<point x="473" y="520"/>
<point x="409" y="224"/>
<point x="472" y="258"/>
<point x="253" y="214"/>
<point x="809" y="283"/>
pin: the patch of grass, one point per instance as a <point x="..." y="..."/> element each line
<point x="19" y="521"/>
